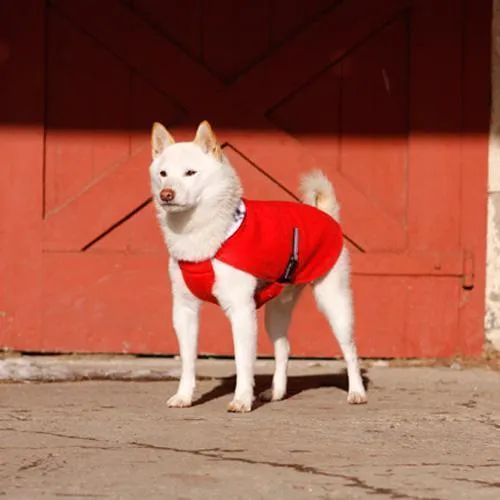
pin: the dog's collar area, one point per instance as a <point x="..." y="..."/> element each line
<point x="238" y="217"/>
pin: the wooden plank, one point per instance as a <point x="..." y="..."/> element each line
<point x="86" y="116"/>
<point x="287" y="19"/>
<point x="180" y="21"/>
<point x="374" y="113"/>
<point x="395" y="316"/>
<point x="435" y="123"/>
<point x="431" y="319"/>
<point x="94" y="303"/>
<point x="386" y="233"/>
<point x="131" y="39"/>
<point x="85" y="217"/>
<point x="21" y="172"/>
<point x="434" y="154"/>
<point x="120" y="302"/>
<point x="408" y="264"/>
<point x="106" y="303"/>
<point x="230" y="48"/>
<point x="475" y="140"/>
<point x="95" y="211"/>
<point x="113" y="196"/>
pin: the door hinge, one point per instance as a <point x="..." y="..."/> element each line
<point x="468" y="270"/>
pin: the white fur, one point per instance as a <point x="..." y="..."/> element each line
<point x="234" y="289"/>
<point x="195" y="227"/>
<point x="318" y="191"/>
<point x="186" y="308"/>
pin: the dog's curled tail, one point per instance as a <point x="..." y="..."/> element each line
<point x="318" y="191"/>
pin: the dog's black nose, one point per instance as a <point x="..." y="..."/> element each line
<point x="167" y="194"/>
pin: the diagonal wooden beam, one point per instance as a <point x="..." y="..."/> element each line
<point x="133" y="41"/>
<point x="321" y="44"/>
<point x="274" y="149"/>
<point x="110" y="198"/>
<point x="284" y="158"/>
<point x="341" y="29"/>
<point x="91" y="213"/>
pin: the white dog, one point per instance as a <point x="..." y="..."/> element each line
<point x="200" y="208"/>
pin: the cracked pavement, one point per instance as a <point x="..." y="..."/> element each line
<point x="426" y="433"/>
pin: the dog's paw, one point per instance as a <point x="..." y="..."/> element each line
<point x="179" y="401"/>
<point x="239" y="406"/>
<point x="356" y="398"/>
<point x="272" y="395"/>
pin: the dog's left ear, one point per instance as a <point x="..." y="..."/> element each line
<point x="206" y="140"/>
<point x="160" y="139"/>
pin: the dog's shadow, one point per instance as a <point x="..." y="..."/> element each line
<point x="296" y="385"/>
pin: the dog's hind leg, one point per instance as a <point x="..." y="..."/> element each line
<point x="334" y="298"/>
<point x="278" y="314"/>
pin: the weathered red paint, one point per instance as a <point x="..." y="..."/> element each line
<point x="389" y="97"/>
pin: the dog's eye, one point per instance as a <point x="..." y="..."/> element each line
<point x="189" y="173"/>
<point x="163" y="173"/>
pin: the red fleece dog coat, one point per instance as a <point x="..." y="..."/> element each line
<point x="263" y="246"/>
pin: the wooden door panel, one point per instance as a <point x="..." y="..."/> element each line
<point x="181" y="23"/>
<point x="315" y="107"/>
<point x="375" y="118"/>
<point x="320" y="44"/>
<point x="345" y="150"/>
<point x="389" y="311"/>
<point x="149" y="104"/>
<point x="138" y="233"/>
<point x="145" y="50"/>
<point x="343" y="85"/>
<point x="235" y="99"/>
<point x="281" y="18"/>
<point x="229" y="49"/>
<point x="21" y="169"/>
<point x="118" y="304"/>
<point x="434" y="177"/>
<point x="94" y="178"/>
<point x="287" y="19"/>
<point x="98" y="207"/>
<point x="284" y="158"/>
<point x="77" y="90"/>
<point x="90" y="302"/>
<point x="353" y="107"/>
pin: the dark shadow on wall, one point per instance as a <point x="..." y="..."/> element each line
<point x="67" y="74"/>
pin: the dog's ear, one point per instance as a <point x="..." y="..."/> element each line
<point x="206" y="140"/>
<point x="160" y="139"/>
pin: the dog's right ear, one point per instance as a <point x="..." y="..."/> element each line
<point x="160" y="139"/>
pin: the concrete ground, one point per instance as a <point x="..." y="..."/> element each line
<point x="427" y="433"/>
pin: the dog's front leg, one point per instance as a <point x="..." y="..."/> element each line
<point x="186" y="309"/>
<point x="243" y="323"/>
<point x="235" y="290"/>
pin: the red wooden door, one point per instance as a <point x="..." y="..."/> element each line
<point x="389" y="97"/>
